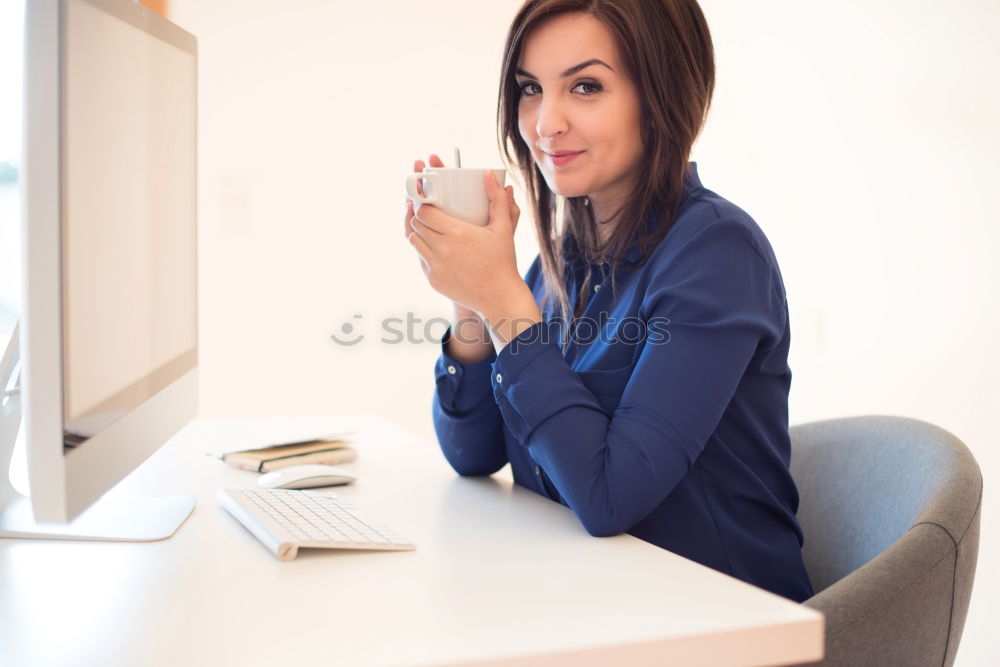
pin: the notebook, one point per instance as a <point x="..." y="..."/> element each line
<point x="272" y="457"/>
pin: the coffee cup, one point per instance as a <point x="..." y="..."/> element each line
<point x="458" y="192"/>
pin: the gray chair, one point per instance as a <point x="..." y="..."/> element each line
<point x="890" y="511"/>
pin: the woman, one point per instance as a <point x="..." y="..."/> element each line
<point x="638" y="373"/>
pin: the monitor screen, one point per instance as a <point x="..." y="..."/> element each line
<point x="129" y="316"/>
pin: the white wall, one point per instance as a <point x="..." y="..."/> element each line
<point x="863" y="137"/>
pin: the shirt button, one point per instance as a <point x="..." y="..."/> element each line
<point x="538" y="471"/>
<point x="499" y="378"/>
<point x="451" y="370"/>
<point x="597" y="288"/>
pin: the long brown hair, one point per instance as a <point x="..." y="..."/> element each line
<point x="666" y="50"/>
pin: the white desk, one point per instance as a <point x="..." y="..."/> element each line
<point x="500" y="576"/>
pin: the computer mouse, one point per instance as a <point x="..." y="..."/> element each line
<point x="308" y="476"/>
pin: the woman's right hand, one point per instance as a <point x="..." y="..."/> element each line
<point x="461" y="312"/>
<point x="435" y="162"/>
<point x="418" y="166"/>
<point x="466" y="324"/>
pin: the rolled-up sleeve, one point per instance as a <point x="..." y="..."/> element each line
<point x="707" y="312"/>
<point x="466" y="419"/>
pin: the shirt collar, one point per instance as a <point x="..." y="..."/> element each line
<point x="634" y="253"/>
<point x="691" y="183"/>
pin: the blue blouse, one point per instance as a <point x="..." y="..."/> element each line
<point x="666" y="415"/>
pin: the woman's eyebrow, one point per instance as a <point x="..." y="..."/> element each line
<point x="571" y="71"/>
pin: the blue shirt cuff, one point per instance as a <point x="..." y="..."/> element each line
<point x="461" y="387"/>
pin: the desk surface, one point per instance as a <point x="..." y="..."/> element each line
<point x="500" y="576"/>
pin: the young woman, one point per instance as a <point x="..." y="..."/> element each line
<point x="638" y="373"/>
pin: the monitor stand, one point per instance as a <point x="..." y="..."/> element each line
<point x="131" y="520"/>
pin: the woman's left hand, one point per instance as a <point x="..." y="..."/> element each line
<point x="471" y="265"/>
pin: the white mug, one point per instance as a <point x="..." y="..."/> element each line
<point x="458" y="192"/>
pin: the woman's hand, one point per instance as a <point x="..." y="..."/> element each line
<point x="418" y="166"/>
<point x="470" y="339"/>
<point x="462" y="314"/>
<point x="474" y="266"/>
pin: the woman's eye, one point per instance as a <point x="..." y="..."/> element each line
<point x="530" y="88"/>
<point x="588" y="87"/>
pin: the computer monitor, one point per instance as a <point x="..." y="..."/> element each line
<point x="109" y="333"/>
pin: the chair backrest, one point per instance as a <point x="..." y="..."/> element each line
<point x="886" y="504"/>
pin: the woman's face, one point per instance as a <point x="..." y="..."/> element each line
<point x="578" y="112"/>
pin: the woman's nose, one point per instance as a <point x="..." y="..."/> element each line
<point x="552" y="120"/>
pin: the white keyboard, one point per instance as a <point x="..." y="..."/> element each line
<point x="287" y="520"/>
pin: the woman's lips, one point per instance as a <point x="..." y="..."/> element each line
<point x="560" y="158"/>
